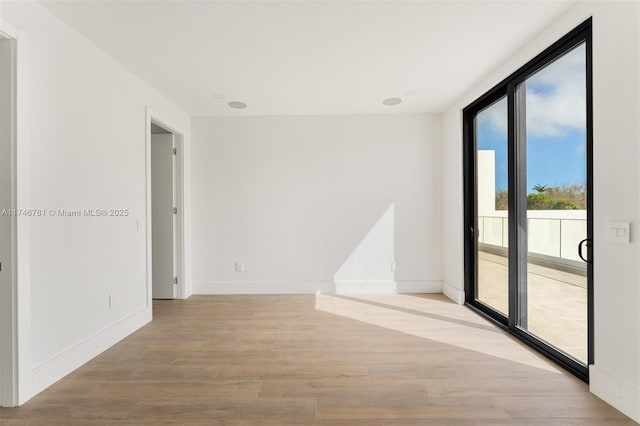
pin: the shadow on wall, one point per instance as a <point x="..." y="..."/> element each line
<point x="370" y="268"/>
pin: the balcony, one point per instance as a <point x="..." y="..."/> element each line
<point x="557" y="281"/>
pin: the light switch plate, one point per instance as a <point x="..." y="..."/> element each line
<point x="618" y="232"/>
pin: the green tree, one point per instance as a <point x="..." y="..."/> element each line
<point x="502" y="199"/>
<point x="539" y="201"/>
<point x="575" y="193"/>
<point x="564" y="205"/>
<point x="540" y="188"/>
<point x="545" y="197"/>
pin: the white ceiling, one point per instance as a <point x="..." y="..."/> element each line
<point x="300" y="57"/>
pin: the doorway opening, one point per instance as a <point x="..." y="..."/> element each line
<point x="165" y="217"/>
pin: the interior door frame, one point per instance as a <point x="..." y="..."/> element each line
<point x="8" y="299"/>
<point x="179" y="195"/>
<point x="517" y="206"/>
<point x="15" y="331"/>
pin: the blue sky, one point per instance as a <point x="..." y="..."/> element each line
<point x="556" y="122"/>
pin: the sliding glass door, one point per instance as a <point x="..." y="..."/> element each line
<point x="554" y="146"/>
<point x="492" y="280"/>
<point x="528" y="208"/>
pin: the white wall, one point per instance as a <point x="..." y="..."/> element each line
<point x="87" y="121"/>
<point x="615" y="376"/>
<point x="321" y="203"/>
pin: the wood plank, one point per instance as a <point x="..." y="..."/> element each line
<point x="222" y="409"/>
<point x="372" y="360"/>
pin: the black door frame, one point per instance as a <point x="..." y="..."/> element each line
<point x="517" y="199"/>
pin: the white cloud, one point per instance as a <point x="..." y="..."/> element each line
<point x="495" y="116"/>
<point x="555" y="99"/>
<point x="556" y="96"/>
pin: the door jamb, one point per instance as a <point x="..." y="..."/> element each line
<point x="15" y="335"/>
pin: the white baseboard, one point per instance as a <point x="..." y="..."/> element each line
<point x="261" y="287"/>
<point x="615" y="392"/>
<point x="410" y="287"/>
<point x="453" y="293"/>
<point x="48" y="372"/>
<point x="312" y="287"/>
<point x="365" y="287"/>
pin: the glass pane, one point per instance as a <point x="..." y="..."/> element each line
<point x="555" y="306"/>
<point x="492" y="283"/>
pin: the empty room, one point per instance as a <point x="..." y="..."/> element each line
<point x="345" y="213"/>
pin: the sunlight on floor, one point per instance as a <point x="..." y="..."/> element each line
<point x="434" y="318"/>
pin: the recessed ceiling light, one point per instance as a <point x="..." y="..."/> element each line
<point x="392" y="101"/>
<point x="237" y="105"/>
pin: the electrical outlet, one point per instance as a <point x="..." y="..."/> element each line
<point x="393" y="265"/>
<point x="239" y="266"/>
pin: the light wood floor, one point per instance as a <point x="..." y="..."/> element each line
<point x="317" y="360"/>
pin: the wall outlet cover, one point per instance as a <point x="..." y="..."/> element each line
<point x="618" y="232"/>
